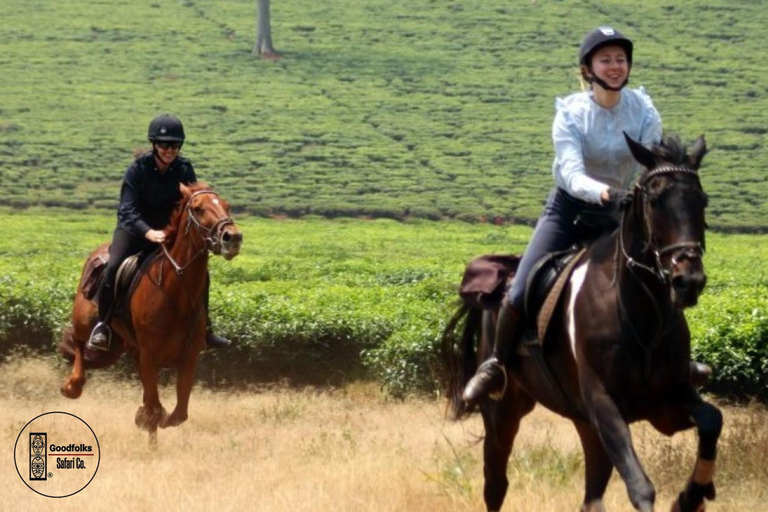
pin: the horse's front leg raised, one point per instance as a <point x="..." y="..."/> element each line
<point x="616" y="439"/>
<point x="709" y="422"/>
<point x="73" y="386"/>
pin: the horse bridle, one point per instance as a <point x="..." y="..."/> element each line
<point x="211" y="238"/>
<point x="215" y="233"/>
<point x="684" y="249"/>
<point x="689" y="249"/>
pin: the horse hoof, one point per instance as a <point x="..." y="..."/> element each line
<point x="147" y="419"/>
<point x="172" y="420"/>
<point x="71" y="390"/>
<point x="676" y="507"/>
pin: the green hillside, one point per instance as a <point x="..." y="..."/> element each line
<point x="379" y="107"/>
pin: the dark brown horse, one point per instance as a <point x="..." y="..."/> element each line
<point x="166" y="324"/>
<point x="618" y="346"/>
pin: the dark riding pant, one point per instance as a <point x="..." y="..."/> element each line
<point x="124" y="244"/>
<point x="566" y="221"/>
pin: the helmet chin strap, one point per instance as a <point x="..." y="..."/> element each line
<point x="601" y="83"/>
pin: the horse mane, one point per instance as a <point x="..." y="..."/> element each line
<point x="173" y="226"/>
<point x="671" y="149"/>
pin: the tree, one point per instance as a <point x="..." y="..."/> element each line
<point x="263" y="44"/>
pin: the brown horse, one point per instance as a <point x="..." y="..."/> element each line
<point x="166" y="323"/>
<point x="618" y="347"/>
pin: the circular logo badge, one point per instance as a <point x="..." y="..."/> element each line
<point x="57" y="454"/>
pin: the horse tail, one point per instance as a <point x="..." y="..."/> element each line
<point x="459" y="347"/>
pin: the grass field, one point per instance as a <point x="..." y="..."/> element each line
<point x="342" y="449"/>
<point x="380" y="108"/>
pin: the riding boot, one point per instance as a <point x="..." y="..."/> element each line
<point x="211" y="339"/>
<point x="698" y="374"/>
<point x="490" y="379"/>
<point x="101" y="336"/>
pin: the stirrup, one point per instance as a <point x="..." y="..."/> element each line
<point x="100" y="328"/>
<point x="214" y="341"/>
<point x="471" y="395"/>
<point x="496" y="396"/>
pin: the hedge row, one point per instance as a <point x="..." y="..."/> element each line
<point x="331" y="335"/>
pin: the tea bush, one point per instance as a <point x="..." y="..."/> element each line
<point x="322" y="302"/>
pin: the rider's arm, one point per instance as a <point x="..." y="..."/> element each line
<point x="568" y="168"/>
<point x="128" y="215"/>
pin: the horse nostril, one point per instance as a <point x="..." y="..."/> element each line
<point x="226" y="237"/>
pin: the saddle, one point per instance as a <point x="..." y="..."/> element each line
<point x="487" y="278"/>
<point x="125" y="280"/>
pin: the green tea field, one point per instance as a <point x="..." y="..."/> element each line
<point x="378" y="108"/>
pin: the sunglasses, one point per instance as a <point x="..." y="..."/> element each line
<point x="169" y="144"/>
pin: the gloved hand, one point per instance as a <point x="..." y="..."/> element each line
<point x="618" y="198"/>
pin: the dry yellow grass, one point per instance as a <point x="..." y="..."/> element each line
<point x="339" y="450"/>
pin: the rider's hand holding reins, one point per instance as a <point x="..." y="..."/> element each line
<point x="616" y="198"/>
<point x="154" y="235"/>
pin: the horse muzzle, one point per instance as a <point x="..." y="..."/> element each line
<point x="687" y="285"/>
<point x="230" y="241"/>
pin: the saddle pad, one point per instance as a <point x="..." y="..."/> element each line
<point x="94" y="268"/>
<point x="485" y="280"/>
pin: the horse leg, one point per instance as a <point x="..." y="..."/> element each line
<point x="151" y="413"/>
<point x="598" y="468"/>
<point x="184" y="382"/>
<point x="709" y="421"/>
<point x="73" y="386"/>
<point x="502" y="422"/>
<point x="616" y="439"/>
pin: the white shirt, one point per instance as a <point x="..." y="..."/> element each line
<point x="590" y="150"/>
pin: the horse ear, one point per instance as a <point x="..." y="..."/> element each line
<point x="698" y="151"/>
<point x="184" y="189"/>
<point x="641" y="153"/>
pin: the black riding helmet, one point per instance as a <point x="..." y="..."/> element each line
<point x="166" y="128"/>
<point x="603" y="36"/>
<point x="600" y="37"/>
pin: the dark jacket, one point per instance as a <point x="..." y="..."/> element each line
<point x="148" y="197"/>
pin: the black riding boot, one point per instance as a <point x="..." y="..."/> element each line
<point x="698" y="374"/>
<point x="101" y="336"/>
<point x="211" y="339"/>
<point x="490" y="379"/>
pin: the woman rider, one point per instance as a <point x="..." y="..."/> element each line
<point x="593" y="168"/>
<point x="148" y="196"/>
